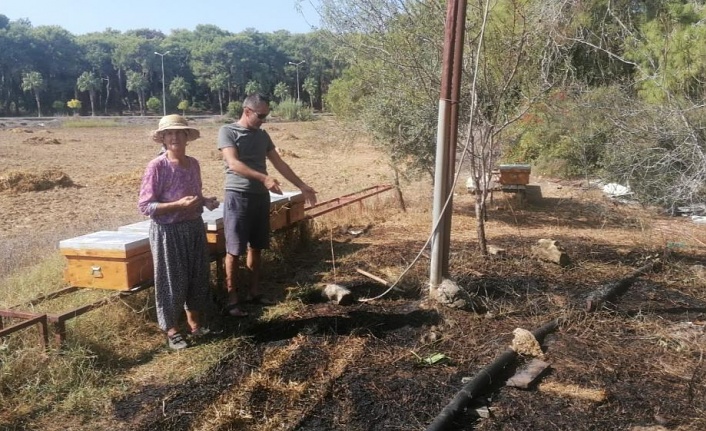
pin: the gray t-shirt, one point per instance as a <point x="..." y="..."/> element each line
<point x="252" y="146"/>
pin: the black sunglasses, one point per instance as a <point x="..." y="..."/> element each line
<point x="259" y="116"/>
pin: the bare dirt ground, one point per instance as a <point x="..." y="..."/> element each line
<point x="635" y="364"/>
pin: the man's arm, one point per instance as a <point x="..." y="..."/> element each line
<point x="230" y="155"/>
<point x="287" y="172"/>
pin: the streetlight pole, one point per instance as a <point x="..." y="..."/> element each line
<point x="164" y="95"/>
<point x="297" y="66"/>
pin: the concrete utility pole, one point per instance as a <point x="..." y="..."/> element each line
<point x="164" y="96"/>
<point x="447" y="132"/>
<point x="297" y="66"/>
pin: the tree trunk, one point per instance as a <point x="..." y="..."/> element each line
<point x="220" y="101"/>
<point x="107" y="95"/>
<point x="120" y="89"/>
<point x="39" y="105"/>
<point x="92" y="96"/>
<point x="480" y="226"/>
<point x="141" y="101"/>
<point x="398" y="190"/>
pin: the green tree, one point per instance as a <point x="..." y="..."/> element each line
<point x="218" y="83"/>
<point x="54" y="53"/>
<point x="34" y="83"/>
<point x="253" y="87"/>
<point x="97" y="50"/>
<point x="91" y="83"/>
<point x="179" y="88"/>
<point x="137" y="83"/>
<point x="281" y="91"/>
<point x="15" y="59"/>
<point x="311" y="87"/>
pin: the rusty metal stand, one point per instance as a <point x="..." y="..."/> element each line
<point x="58" y="321"/>
<point x="339" y="202"/>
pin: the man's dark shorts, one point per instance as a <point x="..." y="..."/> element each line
<point x="246" y="221"/>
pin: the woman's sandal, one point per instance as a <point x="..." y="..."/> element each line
<point x="233" y="310"/>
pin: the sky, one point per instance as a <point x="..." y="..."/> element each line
<point x="87" y="16"/>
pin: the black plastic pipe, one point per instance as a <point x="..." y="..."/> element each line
<point x="476" y="386"/>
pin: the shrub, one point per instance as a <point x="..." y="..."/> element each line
<point x="183" y="106"/>
<point x="235" y="109"/>
<point x="154" y="104"/>
<point x="58" y="106"/>
<point x="74" y="105"/>
<point x="291" y="110"/>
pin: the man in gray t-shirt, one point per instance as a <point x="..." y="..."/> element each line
<point x="245" y="148"/>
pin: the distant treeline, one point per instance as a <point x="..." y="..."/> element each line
<point x="43" y="68"/>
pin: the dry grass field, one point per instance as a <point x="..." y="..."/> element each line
<point x="635" y="364"/>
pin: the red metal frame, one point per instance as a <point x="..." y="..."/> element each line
<point x="336" y="203"/>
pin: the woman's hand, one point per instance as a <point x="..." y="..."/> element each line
<point x="189" y="202"/>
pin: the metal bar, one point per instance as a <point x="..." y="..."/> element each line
<point x="46" y="297"/>
<point x="41" y="320"/>
<point x="342" y="201"/>
<point x="18" y="314"/>
<point x="59" y="320"/>
<point x="376" y="189"/>
<point x="82" y="310"/>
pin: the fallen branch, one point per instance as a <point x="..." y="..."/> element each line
<point x="378" y="279"/>
<point x="611" y="291"/>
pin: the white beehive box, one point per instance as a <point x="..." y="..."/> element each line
<point x="117" y="260"/>
<point x="139" y="227"/>
<point x="214" y="230"/>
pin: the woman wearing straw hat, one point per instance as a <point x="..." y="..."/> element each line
<point x="171" y="196"/>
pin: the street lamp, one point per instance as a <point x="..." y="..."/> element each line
<point x="297" y="66"/>
<point x="164" y="96"/>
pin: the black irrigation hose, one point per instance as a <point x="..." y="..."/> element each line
<point x="473" y="388"/>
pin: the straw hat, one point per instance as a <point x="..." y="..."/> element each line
<point x="174" y="122"/>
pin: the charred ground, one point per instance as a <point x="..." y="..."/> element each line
<point x="636" y="362"/>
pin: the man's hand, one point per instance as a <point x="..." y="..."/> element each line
<point x="210" y="203"/>
<point x="272" y="185"/>
<point x="309" y="194"/>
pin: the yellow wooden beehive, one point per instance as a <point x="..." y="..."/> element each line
<point x="118" y="260"/>
<point x="286" y="209"/>
<point x="215" y="235"/>
<point x="514" y="174"/>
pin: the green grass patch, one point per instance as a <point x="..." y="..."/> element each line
<point x="43" y="277"/>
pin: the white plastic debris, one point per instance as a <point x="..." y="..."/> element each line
<point x="616" y="190"/>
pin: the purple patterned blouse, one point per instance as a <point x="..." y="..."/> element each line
<point x="165" y="181"/>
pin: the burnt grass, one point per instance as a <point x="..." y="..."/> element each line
<point x="366" y="361"/>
